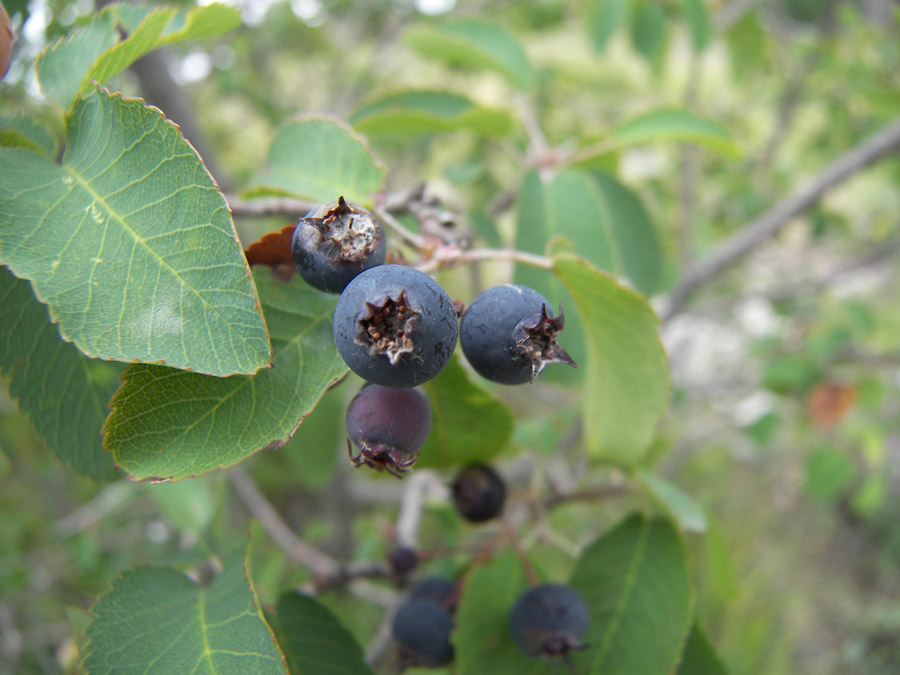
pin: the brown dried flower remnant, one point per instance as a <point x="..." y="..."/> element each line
<point x="387" y="328"/>
<point x="535" y="339"/>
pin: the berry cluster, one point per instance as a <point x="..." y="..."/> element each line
<point x="396" y="328"/>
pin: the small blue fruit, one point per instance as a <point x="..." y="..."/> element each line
<point x="335" y="242"/>
<point x="508" y="335"/>
<point x="549" y="620"/>
<point x="478" y="493"/>
<point x="422" y="630"/>
<point x="439" y="590"/>
<point x="389" y="426"/>
<point x="395" y="326"/>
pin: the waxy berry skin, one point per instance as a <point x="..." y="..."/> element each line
<point x="508" y="334"/>
<point x="334" y="243"/>
<point x="422" y="630"/>
<point x="395" y="326"/>
<point x="549" y="620"/>
<point x="389" y="426"/>
<point x="478" y="493"/>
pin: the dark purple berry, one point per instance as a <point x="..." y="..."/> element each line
<point x="422" y="630"/>
<point x="334" y="243"/>
<point x="549" y="620"/>
<point x="508" y="334"/>
<point x="395" y="326"/>
<point x="479" y="493"/>
<point x="403" y="560"/>
<point x="439" y="590"/>
<point x="389" y="426"/>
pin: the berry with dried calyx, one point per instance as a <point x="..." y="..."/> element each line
<point x="508" y="334"/>
<point x="389" y="426"/>
<point x="549" y="620"/>
<point x="334" y="243"/>
<point x="422" y="630"/>
<point x="395" y="326"/>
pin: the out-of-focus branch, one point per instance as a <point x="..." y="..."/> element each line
<point x="269" y="206"/>
<point x="320" y="564"/>
<point x="760" y="230"/>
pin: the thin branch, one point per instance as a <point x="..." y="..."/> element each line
<point x="449" y="256"/>
<point x="760" y="230"/>
<point x="320" y="564"/>
<point x="590" y="495"/>
<point x="416" y="241"/>
<point x="269" y="206"/>
<point x="415" y="489"/>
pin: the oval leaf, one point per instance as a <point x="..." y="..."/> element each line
<point x="604" y="18"/>
<point x="699" y="25"/>
<point x="409" y="113"/>
<point x="477" y="44"/>
<point x="635" y="237"/>
<point x="131" y="244"/>
<point x="468" y="423"/>
<point x="117" y="37"/>
<point x="62" y="393"/>
<point x="171" y="424"/>
<point x="313" y="640"/>
<point x="319" y="159"/>
<point x="626" y="374"/>
<point x="671" y="124"/>
<point x="636" y="582"/>
<point x="156" y="620"/>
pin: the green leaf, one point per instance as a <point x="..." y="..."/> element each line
<point x="476" y="44"/>
<point x="315" y="449"/>
<point x="648" y="30"/>
<point x="188" y="24"/>
<point x="626" y="374"/>
<point x="637" y="584"/>
<point x="117" y="37"/>
<point x="671" y="124"/>
<point x="482" y="639"/>
<point x="319" y="159"/>
<point x="632" y="231"/>
<point x="131" y="244"/>
<point x="568" y="205"/>
<point x="468" y="424"/>
<point x="604" y="18"/>
<point x="155" y="619"/>
<point x="680" y="507"/>
<point x="314" y="642"/>
<point x="62" y="393"/>
<point x="697" y="17"/>
<point x="62" y="66"/>
<point x="172" y="424"/>
<point x="699" y="656"/>
<point x="413" y="112"/>
<point x="829" y="472"/>
<point x="24" y="132"/>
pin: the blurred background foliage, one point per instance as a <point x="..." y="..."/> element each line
<point x="785" y="370"/>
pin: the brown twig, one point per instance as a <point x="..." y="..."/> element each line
<point x="449" y="256"/>
<point x="320" y="564"/>
<point x="760" y="230"/>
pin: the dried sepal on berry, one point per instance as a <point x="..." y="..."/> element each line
<point x="535" y="339"/>
<point x="387" y="328"/>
